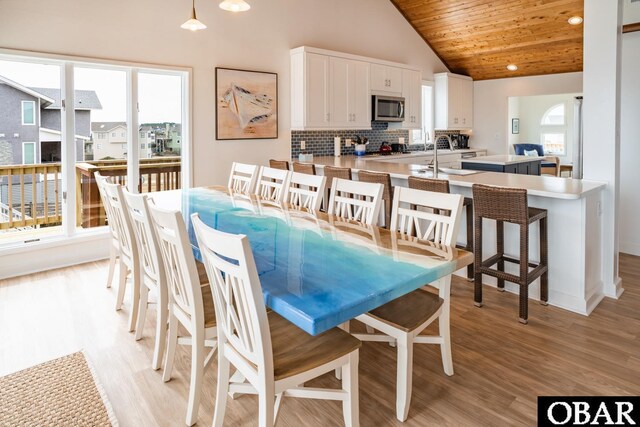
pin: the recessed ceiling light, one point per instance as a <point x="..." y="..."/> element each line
<point x="575" y="20"/>
<point x="512" y="67"/>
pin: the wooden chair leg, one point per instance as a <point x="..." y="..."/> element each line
<point x="197" y="372"/>
<point x="112" y="265"/>
<point x="500" y="248"/>
<point x="544" y="260"/>
<point x="350" y="386"/>
<point x="142" y="311"/>
<point x="477" y="262"/>
<point x="524" y="273"/>
<point x="122" y="284"/>
<point x="171" y="348"/>
<point x="161" y="333"/>
<point x="221" y="390"/>
<point x="445" y="333"/>
<point x="266" y="404"/>
<point x="404" y="377"/>
<point x="135" y="297"/>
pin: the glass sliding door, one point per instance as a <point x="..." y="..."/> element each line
<point x="101" y="136"/>
<point x="160" y="130"/>
<point x="30" y="128"/>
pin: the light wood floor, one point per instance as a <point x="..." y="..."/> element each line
<point x="500" y="365"/>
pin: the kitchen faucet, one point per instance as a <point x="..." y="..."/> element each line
<point x="434" y="162"/>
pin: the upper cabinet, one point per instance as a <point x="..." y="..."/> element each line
<point x="453" y="101"/>
<point x="332" y="90"/>
<point x="386" y="80"/>
<point x="412" y="94"/>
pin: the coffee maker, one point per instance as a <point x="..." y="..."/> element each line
<point x="463" y="141"/>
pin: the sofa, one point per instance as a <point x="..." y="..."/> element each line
<point x="550" y="164"/>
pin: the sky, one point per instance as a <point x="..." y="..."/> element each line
<point x="159" y="95"/>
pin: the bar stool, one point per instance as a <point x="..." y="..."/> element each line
<point x="510" y="205"/>
<point x="387" y="191"/>
<point x="442" y="186"/>
<point x="308" y="168"/>
<point x="279" y="164"/>
<point x="334" y="172"/>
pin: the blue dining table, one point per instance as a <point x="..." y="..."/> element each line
<point x="316" y="270"/>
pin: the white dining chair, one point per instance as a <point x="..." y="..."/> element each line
<point x="152" y="276"/>
<point x="272" y="184"/>
<point x="272" y="354"/>
<point x="114" y="247"/>
<point x="432" y="217"/>
<point x="355" y="200"/>
<point x="306" y="191"/>
<point x="242" y="178"/>
<point x="129" y="264"/>
<point x="190" y="304"/>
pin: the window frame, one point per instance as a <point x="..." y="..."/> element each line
<point x="22" y="104"/>
<point x="35" y="157"/>
<point x="559" y="129"/>
<point x="431" y="121"/>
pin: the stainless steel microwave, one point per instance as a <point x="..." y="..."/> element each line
<point x="387" y="109"/>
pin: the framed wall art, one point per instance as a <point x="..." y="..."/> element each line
<point x="246" y="104"/>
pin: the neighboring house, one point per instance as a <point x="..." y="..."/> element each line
<point x="30" y="122"/>
<point x="109" y="140"/>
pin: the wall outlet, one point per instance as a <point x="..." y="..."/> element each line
<point x="401" y="140"/>
<point x="303" y="145"/>
<point x="347" y="142"/>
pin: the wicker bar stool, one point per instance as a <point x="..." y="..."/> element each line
<point x="442" y="186"/>
<point x="279" y="164"/>
<point x="510" y="205"/>
<point x="334" y="172"/>
<point x="387" y="190"/>
<point x="308" y="168"/>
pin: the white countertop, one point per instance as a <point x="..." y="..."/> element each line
<point x="502" y="160"/>
<point x="544" y="186"/>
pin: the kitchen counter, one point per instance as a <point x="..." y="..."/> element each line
<point x="503" y="160"/>
<point x="525" y="165"/>
<point x="543" y="186"/>
<point x="574" y="225"/>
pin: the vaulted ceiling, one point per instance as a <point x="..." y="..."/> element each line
<point x="479" y="38"/>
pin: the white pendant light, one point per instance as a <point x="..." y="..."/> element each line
<point x="235" y="5"/>
<point x="193" y="24"/>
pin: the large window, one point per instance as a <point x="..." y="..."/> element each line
<point x="425" y="135"/>
<point x="59" y="195"/>
<point x="28" y="112"/>
<point x="553" y="130"/>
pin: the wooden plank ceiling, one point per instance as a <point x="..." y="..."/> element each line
<point x="479" y="38"/>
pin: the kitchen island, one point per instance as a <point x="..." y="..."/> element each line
<point x="524" y="165"/>
<point x="575" y="229"/>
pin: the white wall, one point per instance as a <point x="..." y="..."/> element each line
<point x="491" y="107"/>
<point x="630" y="145"/>
<point x="531" y="109"/>
<point x="631" y="12"/>
<point x="260" y="39"/>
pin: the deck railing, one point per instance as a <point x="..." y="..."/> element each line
<point x="31" y="195"/>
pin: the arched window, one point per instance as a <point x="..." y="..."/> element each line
<point x="553" y="130"/>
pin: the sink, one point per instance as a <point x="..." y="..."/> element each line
<point x="447" y="171"/>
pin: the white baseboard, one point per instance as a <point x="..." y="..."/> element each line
<point x="37" y="257"/>
<point x="631" y="248"/>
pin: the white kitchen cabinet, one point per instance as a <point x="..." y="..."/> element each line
<point x="453" y="101"/>
<point x="350" y="104"/>
<point x="386" y="79"/>
<point x="310" y="97"/>
<point x="412" y="94"/>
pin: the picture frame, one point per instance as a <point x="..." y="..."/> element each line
<point x="246" y="104"/>
<point x="515" y="126"/>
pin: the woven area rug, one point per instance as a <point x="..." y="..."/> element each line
<point x="61" y="392"/>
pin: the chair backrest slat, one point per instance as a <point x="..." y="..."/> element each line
<point x="179" y="264"/>
<point x="272" y="184"/>
<point x="242" y="178"/>
<point x="100" y="181"/>
<point x="240" y="311"/>
<point x="306" y="191"/>
<point x="438" y="223"/>
<point x="138" y="205"/>
<point x="121" y="220"/>
<point x="358" y="201"/>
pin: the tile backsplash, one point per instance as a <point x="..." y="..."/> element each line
<point x="320" y="143"/>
